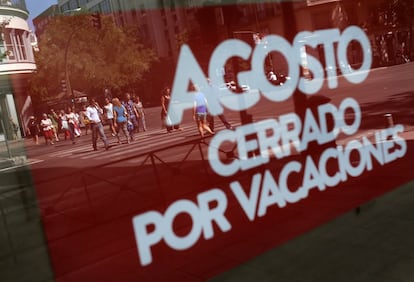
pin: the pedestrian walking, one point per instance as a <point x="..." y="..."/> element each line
<point x="121" y="119"/>
<point x="109" y="115"/>
<point x="132" y="114"/>
<point x="272" y="77"/>
<point x="200" y="111"/>
<point x="33" y="127"/>
<point x="93" y="112"/>
<point x="77" y="128"/>
<point x="165" y="115"/>
<point x="84" y="121"/>
<point x="141" y="113"/>
<point x="47" y="127"/>
<point x="64" y="124"/>
<point x="55" y="123"/>
<point x="71" y="119"/>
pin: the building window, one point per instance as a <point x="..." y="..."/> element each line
<point x="82" y="3"/>
<point x="20" y="47"/>
<point x="105" y="6"/>
<point x="95" y="8"/>
<point x="64" y="7"/>
<point x="16" y="45"/>
<point x="73" y="4"/>
<point x="3" y="46"/>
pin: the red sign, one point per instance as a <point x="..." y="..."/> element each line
<point x="329" y="133"/>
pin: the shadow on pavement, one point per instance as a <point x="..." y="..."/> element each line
<point x="400" y="105"/>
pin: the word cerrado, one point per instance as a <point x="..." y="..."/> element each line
<point x="276" y="137"/>
<point x="189" y="71"/>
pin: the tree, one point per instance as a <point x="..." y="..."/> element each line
<point x="94" y="59"/>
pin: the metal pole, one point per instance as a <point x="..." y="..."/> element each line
<point x="68" y="85"/>
<point x="5" y="139"/>
<point x="290" y="29"/>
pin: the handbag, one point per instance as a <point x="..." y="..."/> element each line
<point x="65" y="124"/>
<point x="130" y="126"/>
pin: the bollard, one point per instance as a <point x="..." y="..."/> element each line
<point x="390" y="121"/>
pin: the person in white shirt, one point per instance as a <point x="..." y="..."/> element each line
<point x="109" y="115"/>
<point x="71" y="118"/>
<point x="272" y="76"/>
<point x="93" y="112"/>
<point x="46" y="124"/>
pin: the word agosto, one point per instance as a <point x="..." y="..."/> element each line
<point x="188" y="70"/>
<point x="274" y="138"/>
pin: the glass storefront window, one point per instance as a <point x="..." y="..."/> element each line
<point x="277" y="142"/>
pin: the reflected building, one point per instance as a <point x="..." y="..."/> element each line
<point x="165" y="25"/>
<point x="17" y="63"/>
<point x="159" y="21"/>
<point x="41" y="21"/>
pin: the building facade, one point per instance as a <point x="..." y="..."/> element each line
<point x="41" y="21"/>
<point x="17" y="63"/>
<point x="159" y="21"/>
<point x="165" y="25"/>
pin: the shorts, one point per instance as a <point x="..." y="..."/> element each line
<point x="48" y="134"/>
<point x="110" y="121"/>
<point x="201" y="116"/>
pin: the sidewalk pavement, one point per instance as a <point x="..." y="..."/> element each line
<point x="12" y="153"/>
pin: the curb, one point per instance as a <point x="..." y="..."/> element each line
<point x="13" y="162"/>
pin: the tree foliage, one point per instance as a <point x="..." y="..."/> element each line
<point x="111" y="57"/>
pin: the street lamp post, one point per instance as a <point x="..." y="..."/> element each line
<point x="70" y="12"/>
<point x="96" y="20"/>
<point x="67" y="80"/>
<point x="68" y="85"/>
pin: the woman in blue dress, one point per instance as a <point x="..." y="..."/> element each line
<point x="121" y="119"/>
<point x="200" y="112"/>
